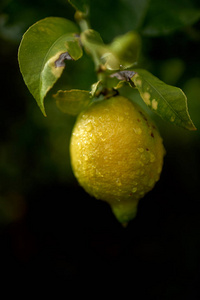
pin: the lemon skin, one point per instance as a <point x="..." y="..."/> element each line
<point x="116" y="154"/>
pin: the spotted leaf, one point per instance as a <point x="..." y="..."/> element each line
<point x="167" y="101"/>
<point x="42" y="54"/>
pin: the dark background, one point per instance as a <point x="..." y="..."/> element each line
<point x="49" y="227"/>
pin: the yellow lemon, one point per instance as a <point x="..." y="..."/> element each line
<point x="116" y="154"/>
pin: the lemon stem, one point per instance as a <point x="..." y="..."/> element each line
<point x="82" y="20"/>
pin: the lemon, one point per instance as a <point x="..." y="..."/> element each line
<point x="116" y="154"/>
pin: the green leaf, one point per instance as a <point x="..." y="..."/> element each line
<point x="81" y="5"/>
<point x="167" y="101"/>
<point x="91" y="38"/>
<point x="72" y="101"/>
<point x="125" y="49"/>
<point x="95" y="87"/>
<point x="122" y="53"/>
<point x="93" y="44"/>
<point x="42" y="52"/>
<point x="102" y="54"/>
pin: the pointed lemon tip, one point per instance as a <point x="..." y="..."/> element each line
<point x="125" y="212"/>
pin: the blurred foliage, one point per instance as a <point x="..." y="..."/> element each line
<point x="17" y="16"/>
<point x="34" y="150"/>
